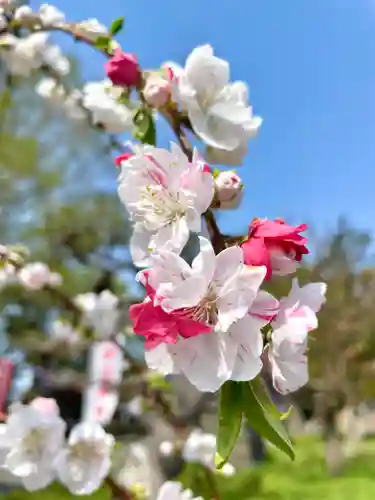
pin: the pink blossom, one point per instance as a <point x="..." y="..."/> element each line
<point x="275" y="245"/>
<point x="123" y="69"/>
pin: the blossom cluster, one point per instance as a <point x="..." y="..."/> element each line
<point x="37" y="452"/>
<point x="209" y="319"/>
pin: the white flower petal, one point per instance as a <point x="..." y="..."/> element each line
<point x="206" y="360"/>
<point x="203" y="68"/>
<point x="205" y="262"/>
<point x="160" y="359"/>
<point x="246" y="334"/>
<point x="139" y="246"/>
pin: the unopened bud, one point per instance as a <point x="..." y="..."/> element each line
<point x="229" y="189"/>
<point x="157" y="91"/>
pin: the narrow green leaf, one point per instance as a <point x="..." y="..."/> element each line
<point x="260" y="415"/>
<point x="102" y="42"/>
<point x="117" y="25"/>
<point x="230" y="418"/>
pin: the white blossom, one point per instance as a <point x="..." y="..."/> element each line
<point x="99" y="99"/>
<point x="165" y="195"/>
<point x="174" y="491"/>
<point x="296" y="318"/>
<point x="50" y="89"/>
<point x="85" y="462"/>
<point x="24" y="13"/>
<point x="56" y="60"/>
<point x="221" y="340"/>
<point x="100" y="311"/>
<point x="200" y="447"/>
<point x="23" y="55"/>
<point x="133" y="468"/>
<point x="218" y="109"/>
<point x="62" y="331"/>
<point x="36" y="275"/>
<point x="51" y="15"/>
<point x="90" y="29"/>
<point x="35" y="434"/>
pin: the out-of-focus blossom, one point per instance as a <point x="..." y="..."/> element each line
<point x="275" y="245"/>
<point x="51" y="15"/>
<point x="174" y="491"/>
<point x="200" y="447"/>
<point x="50" y="89"/>
<point x="36" y="275"/>
<point x="62" y="331"/>
<point x="23" y="55"/>
<point x="56" y="60"/>
<point x="106" y="112"/>
<point x="133" y="468"/>
<point x="100" y="311"/>
<point x="85" y="462"/>
<point x="90" y="29"/>
<point x="35" y="434"/>
<point x="165" y="195"/>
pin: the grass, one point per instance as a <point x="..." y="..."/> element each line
<point x="280" y="479"/>
<point x="307" y="477"/>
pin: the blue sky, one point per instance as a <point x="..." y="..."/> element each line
<point x="310" y="66"/>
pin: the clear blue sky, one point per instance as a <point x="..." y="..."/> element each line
<point x="310" y="65"/>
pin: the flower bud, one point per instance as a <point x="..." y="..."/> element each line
<point x="122" y="69"/>
<point x="229" y="189"/>
<point x="157" y="91"/>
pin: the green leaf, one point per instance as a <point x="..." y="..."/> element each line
<point x="146" y="130"/>
<point x="230" y="418"/>
<point x="103" y="42"/>
<point x="262" y="416"/>
<point x="117" y="25"/>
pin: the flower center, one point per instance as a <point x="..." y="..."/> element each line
<point x="158" y="207"/>
<point x="206" y="310"/>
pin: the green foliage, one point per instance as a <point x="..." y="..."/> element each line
<point x="251" y="400"/>
<point x="117" y="25"/>
<point x="230" y="419"/>
<point x="146" y="130"/>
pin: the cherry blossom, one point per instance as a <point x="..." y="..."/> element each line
<point x="196" y="319"/>
<point x="100" y="312"/>
<point x="100" y="99"/>
<point x="200" y="447"/>
<point x="165" y="195"/>
<point x="90" y="29"/>
<point x="296" y="318"/>
<point x="23" y="55"/>
<point x="36" y="275"/>
<point x="35" y="434"/>
<point x="276" y="245"/>
<point x="174" y="491"/>
<point x="62" y="331"/>
<point x="85" y="462"/>
<point x="217" y="109"/>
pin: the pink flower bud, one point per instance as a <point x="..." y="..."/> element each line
<point x="122" y="69"/>
<point x="229" y="189"/>
<point x="157" y="91"/>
